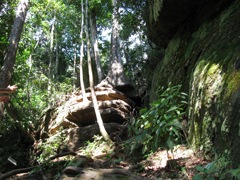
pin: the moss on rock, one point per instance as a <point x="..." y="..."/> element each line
<point x="207" y="64"/>
<point x="233" y="85"/>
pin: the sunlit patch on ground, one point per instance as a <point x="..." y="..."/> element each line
<point x="179" y="164"/>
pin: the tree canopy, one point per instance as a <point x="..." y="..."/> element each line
<point x="47" y="60"/>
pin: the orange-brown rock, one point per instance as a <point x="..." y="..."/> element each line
<point x="83" y="113"/>
<point x="114" y="106"/>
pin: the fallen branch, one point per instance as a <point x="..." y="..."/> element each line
<point x="8" y="90"/>
<point x="24" y="170"/>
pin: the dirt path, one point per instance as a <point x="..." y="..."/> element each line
<point x="161" y="165"/>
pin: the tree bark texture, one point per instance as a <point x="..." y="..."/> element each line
<point x="115" y="45"/>
<point x="116" y="75"/>
<point x="95" y="46"/>
<point x="81" y="55"/>
<point x="10" y="57"/>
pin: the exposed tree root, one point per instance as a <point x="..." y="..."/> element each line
<point x="24" y="170"/>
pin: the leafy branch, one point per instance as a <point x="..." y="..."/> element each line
<point x="159" y="126"/>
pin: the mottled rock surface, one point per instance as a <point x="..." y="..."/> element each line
<point x="202" y="56"/>
<point x="114" y="106"/>
<point x="166" y="17"/>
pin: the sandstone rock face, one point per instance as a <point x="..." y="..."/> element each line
<point x="205" y="60"/>
<point x="166" y="17"/>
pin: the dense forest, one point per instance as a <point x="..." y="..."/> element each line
<point x="110" y="89"/>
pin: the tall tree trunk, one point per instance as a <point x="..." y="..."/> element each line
<point x="10" y="57"/>
<point x="94" y="98"/>
<point x="74" y="68"/>
<point x="57" y="55"/>
<point x="116" y="75"/>
<point x="50" y="67"/>
<point x="30" y="63"/>
<point x="115" y="44"/>
<point x="95" y="45"/>
<point x="81" y="55"/>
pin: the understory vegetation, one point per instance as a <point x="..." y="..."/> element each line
<point x="220" y="168"/>
<point x="160" y="125"/>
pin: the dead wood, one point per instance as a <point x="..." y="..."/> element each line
<point x="27" y="169"/>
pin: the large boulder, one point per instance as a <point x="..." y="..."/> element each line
<point x="114" y="106"/>
<point x="78" y="136"/>
<point x="83" y="113"/>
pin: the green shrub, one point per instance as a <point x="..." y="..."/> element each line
<point x="218" y="169"/>
<point x="51" y="145"/>
<point x="159" y="126"/>
<point x="97" y="146"/>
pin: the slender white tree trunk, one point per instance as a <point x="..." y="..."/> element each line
<point x="82" y="55"/>
<point x="50" y="66"/>
<point x="57" y="55"/>
<point x="94" y="98"/>
<point x="74" y="68"/>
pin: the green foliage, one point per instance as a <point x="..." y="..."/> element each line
<point x="135" y="46"/>
<point x="159" y="126"/>
<point x="218" y="169"/>
<point x="97" y="146"/>
<point x="50" y="147"/>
